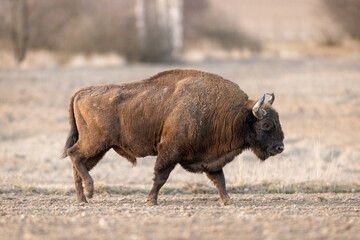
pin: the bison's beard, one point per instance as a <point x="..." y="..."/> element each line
<point x="261" y="154"/>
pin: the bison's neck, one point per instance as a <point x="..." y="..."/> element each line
<point x="230" y="132"/>
<point x="228" y="140"/>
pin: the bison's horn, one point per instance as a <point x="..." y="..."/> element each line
<point x="257" y="110"/>
<point x="272" y="99"/>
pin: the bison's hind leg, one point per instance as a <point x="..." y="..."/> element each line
<point x="80" y="197"/>
<point x="89" y="164"/>
<point x="83" y="160"/>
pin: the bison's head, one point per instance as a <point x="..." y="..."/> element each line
<point x="265" y="134"/>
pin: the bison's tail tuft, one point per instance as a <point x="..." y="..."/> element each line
<point x="73" y="134"/>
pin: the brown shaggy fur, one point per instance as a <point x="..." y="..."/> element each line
<point x="190" y="117"/>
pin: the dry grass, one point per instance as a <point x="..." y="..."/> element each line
<point x="313" y="165"/>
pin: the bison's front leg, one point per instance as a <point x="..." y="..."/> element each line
<point x="162" y="172"/>
<point x="218" y="179"/>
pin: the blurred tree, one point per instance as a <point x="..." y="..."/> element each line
<point x="19" y="28"/>
<point x="140" y="20"/>
<point x="34" y="24"/>
<point x="139" y="30"/>
<point x="176" y="12"/>
<point x="159" y="25"/>
<point x="346" y="13"/>
<point x="203" y="25"/>
<point x="49" y="20"/>
<point x="170" y="19"/>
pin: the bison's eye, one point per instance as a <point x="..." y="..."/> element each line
<point x="266" y="126"/>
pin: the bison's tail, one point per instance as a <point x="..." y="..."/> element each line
<point x="73" y="134"/>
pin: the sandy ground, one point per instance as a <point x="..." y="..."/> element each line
<point x="319" y="105"/>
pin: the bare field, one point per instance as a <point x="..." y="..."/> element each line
<point x="319" y="105"/>
<point x="254" y="216"/>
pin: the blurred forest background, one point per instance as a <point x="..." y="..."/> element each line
<point x="42" y="33"/>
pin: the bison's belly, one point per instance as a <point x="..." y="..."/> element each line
<point x="194" y="167"/>
<point x="209" y="162"/>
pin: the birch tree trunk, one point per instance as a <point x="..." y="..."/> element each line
<point x="140" y="15"/>
<point x="162" y="13"/>
<point x="176" y="26"/>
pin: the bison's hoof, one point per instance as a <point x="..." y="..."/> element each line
<point x="226" y="202"/>
<point x="89" y="194"/>
<point x="89" y="190"/>
<point x="81" y="199"/>
<point x="151" y="202"/>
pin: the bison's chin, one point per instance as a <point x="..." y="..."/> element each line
<point x="262" y="155"/>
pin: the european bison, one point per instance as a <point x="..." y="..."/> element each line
<point x="188" y="117"/>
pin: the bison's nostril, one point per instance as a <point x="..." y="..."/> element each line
<point x="280" y="148"/>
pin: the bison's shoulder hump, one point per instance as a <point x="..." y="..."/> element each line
<point x="171" y="77"/>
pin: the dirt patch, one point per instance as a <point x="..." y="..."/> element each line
<point x="179" y="216"/>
